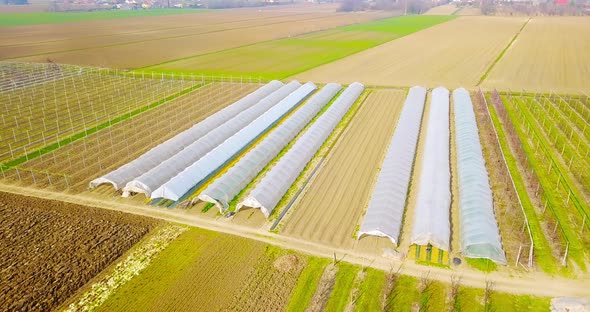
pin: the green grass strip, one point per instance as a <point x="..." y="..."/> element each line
<point x="89" y="131"/>
<point x="344" y="282"/>
<point x="307" y="284"/>
<point x="34" y="18"/>
<point x="485" y="75"/>
<point x="369" y="290"/>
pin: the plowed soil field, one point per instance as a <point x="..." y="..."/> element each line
<point x="50" y="248"/>
<point x="331" y="208"/>
<point x="456" y="53"/>
<point x="550" y="54"/>
<point x="139" y="42"/>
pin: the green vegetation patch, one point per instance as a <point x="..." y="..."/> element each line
<point x="279" y="59"/>
<point x="369" y="291"/>
<point x="344" y="282"/>
<point x="307" y="283"/>
<point x="21" y="19"/>
<point x="509" y="302"/>
<point x="405" y="294"/>
<point x="484" y="265"/>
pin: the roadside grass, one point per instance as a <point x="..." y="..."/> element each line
<point x="484" y="265"/>
<point x="509" y="302"/>
<point x="405" y="294"/>
<point x="369" y="290"/>
<point x="344" y="282"/>
<point x="542" y="249"/>
<point x="307" y="284"/>
<point x="34" y="18"/>
<point x="283" y="58"/>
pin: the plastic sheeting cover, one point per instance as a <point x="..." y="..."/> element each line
<point x="480" y="237"/>
<point x="432" y="215"/>
<point x="169" y="168"/>
<point x="277" y="181"/>
<point x="386" y="207"/>
<point x="210" y="163"/>
<point x="165" y="150"/>
<point x="225" y="188"/>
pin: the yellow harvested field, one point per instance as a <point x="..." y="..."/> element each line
<point x="446" y="9"/>
<point x="453" y="54"/>
<point x="551" y="54"/>
<point x="469" y="11"/>
<point x="332" y="206"/>
<point x="140" y="42"/>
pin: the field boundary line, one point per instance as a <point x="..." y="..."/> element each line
<point x="487" y="72"/>
<point x="544" y="285"/>
<point x="80" y="135"/>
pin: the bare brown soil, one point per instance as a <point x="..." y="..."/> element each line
<point x="52" y="248"/>
<point x="331" y="208"/>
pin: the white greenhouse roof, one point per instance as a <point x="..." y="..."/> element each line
<point x="386" y="207"/>
<point x="121" y="176"/>
<point x="480" y="237"/>
<point x="432" y="214"/>
<point x="279" y="178"/>
<point x="205" y="167"/>
<point x="225" y="188"/>
<point x="201" y="145"/>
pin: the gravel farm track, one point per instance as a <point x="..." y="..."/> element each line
<point x="51" y="248"/>
<point x="330" y="209"/>
<point x="115" y="43"/>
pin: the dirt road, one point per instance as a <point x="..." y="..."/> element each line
<point x="516" y="283"/>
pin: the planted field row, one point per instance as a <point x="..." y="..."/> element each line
<point x="556" y="191"/>
<point x="50" y="112"/>
<point x="51" y="248"/>
<point x="109" y="148"/>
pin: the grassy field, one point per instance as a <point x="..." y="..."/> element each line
<point x="286" y="57"/>
<point x="34" y="18"/>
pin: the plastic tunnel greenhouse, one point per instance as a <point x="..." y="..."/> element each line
<point x="166" y="170"/>
<point x="386" y="207"/>
<point x="121" y="176"/>
<point x="479" y="231"/>
<point x="225" y="188"/>
<point x="432" y="214"/>
<point x="205" y="167"/>
<point x="277" y="181"/>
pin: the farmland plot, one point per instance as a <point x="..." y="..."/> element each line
<point x="452" y="54"/>
<point x="51" y="248"/>
<point x="550" y="54"/>
<point x="133" y="54"/>
<point x="39" y="115"/>
<point x="286" y="57"/>
<point x="114" y="146"/>
<point x="330" y="208"/>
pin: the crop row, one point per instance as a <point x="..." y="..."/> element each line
<point x="39" y="115"/>
<point x="113" y="146"/>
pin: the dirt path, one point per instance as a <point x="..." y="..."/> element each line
<point x="526" y="283"/>
<point x="331" y="207"/>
